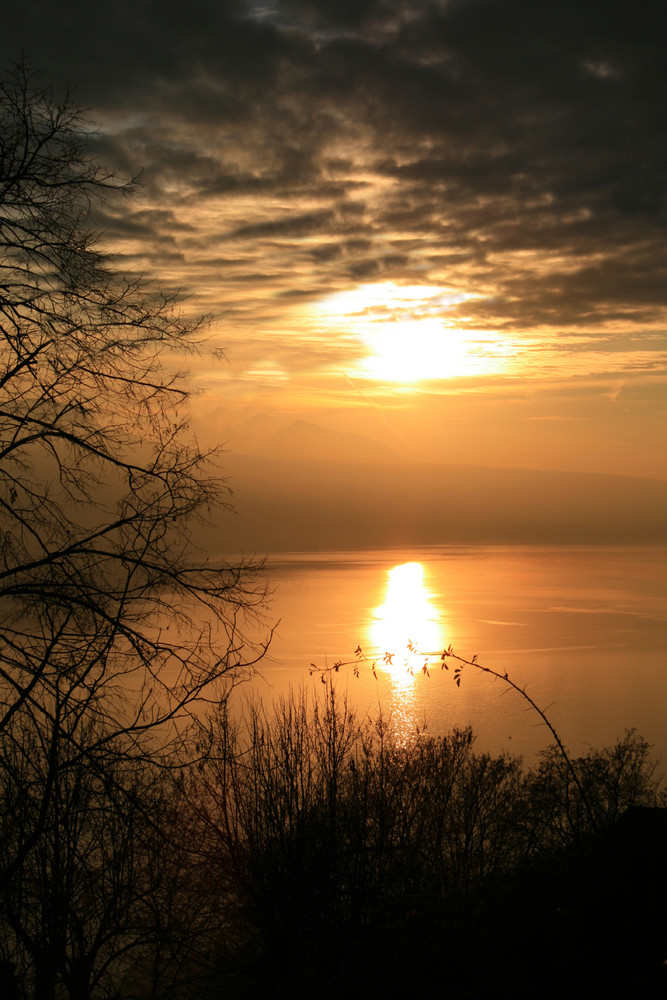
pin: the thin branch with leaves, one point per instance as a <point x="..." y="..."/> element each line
<point x="441" y="660"/>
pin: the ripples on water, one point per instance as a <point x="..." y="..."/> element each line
<point x="584" y="628"/>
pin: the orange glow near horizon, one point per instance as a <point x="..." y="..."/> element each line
<point x="408" y="335"/>
<point x="406" y="625"/>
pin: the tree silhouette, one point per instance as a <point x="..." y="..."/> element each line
<point x="112" y="626"/>
<point x="108" y="901"/>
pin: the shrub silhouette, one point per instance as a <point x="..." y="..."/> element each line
<point x="361" y="854"/>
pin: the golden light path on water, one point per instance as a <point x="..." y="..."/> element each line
<point x="406" y="624"/>
<point x="583" y="628"/>
<point x="401" y="631"/>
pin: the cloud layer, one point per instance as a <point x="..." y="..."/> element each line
<point x="513" y="151"/>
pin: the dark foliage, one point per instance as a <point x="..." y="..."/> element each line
<point x="352" y="859"/>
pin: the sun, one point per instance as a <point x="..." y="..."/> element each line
<point x="409" y="333"/>
<point x="414" y="350"/>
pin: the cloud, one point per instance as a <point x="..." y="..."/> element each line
<point x="512" y="149"/>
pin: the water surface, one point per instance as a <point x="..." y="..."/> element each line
<point x="583" y="628"/>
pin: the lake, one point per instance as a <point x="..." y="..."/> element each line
<point x="584" y="629"/>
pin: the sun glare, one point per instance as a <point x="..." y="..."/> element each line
<point x="406" y="625"/>
<point x="408" y="334"/>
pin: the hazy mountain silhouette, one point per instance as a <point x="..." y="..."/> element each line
<point x="284" y="505"/>
<point x="305" y="441"/>
<point x="250" y="437"/>
<point x="293" y="440"/>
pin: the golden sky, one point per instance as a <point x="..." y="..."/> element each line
<point x="440" y="226"/>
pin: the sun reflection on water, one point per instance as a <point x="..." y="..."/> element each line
<point x="406" y="626"/>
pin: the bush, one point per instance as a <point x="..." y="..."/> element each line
<point x="347" y="853"/>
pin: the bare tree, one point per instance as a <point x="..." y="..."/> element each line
<point x="112" y="626"/>
<point x="109" y="902"/>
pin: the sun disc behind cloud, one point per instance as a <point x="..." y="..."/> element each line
<point x="408" y="334"/>
<point x="418" y="349"/>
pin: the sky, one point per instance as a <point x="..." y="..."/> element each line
<point x="434" y="226"/>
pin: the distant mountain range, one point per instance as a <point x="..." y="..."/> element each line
<point x="286" y="505"/>
<point x="295" y="439"/>
<point x="310" y="442"/>
<point x="300" y="486"/>
<point x="302" y="440"/>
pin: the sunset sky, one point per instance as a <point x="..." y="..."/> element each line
<point x="438" y="225"/>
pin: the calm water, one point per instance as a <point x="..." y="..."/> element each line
<point x="584" y="629"/>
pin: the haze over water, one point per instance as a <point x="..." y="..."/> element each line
<point x="584" y="629"/>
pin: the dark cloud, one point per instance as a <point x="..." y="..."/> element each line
<point x="146" y="49"/>
<point x="296" y="225"/>
<point x="144" y="224"/>
<point x="519" y="144"/>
